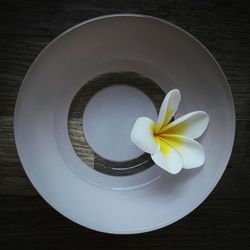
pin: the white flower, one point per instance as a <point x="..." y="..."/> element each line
<point x="171" y="144"/>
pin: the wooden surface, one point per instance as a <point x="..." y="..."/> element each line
<point x="28" y="222"/>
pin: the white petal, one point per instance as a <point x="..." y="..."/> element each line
<point x="190" y="125"/>
<point x="168" y="108"/>
<point x="142" y="135"/>
<point x="191" y="151"/>
<point x="170" y="161"/>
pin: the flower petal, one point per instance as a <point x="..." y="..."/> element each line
<point x="168" y="158"/>
<point x="168" y="108"/>
<point x="191" y="151"/>
<point x="142" y="135"/>
<point x="190" y="125"/>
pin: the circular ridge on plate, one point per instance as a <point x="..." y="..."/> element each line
<point x="75" y="125"/>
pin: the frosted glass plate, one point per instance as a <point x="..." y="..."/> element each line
<point x="159" y="51"/>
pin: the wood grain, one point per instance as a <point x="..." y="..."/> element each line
<point x="27" y="221"/>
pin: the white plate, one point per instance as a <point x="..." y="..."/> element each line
<point x="150" y="46"/>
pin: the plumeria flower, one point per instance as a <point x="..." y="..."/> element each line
<point x="171" y="144"/>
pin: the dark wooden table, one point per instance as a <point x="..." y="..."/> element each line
<point x="28" y="222"/>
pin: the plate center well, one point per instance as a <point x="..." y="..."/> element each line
<point x="108" y="119"/>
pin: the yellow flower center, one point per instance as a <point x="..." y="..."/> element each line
<point x="165" y="136"/>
